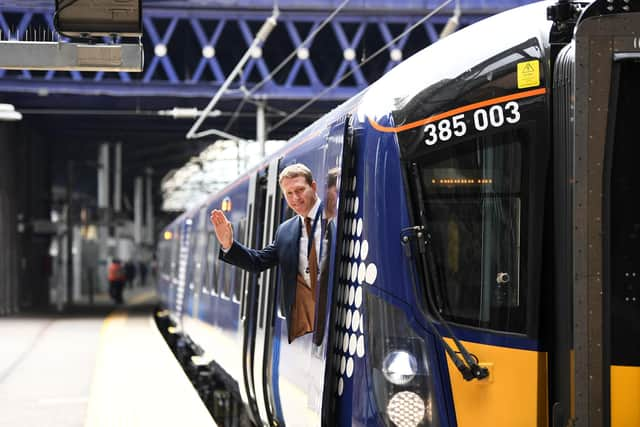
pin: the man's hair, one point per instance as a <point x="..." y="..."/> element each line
<point x="295" y="170"/>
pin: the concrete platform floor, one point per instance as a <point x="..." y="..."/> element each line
<point x="93" y="366"/>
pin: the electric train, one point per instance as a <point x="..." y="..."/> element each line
<point x="485" y="265"/>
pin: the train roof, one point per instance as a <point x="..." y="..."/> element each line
<point x="451" y="57"/>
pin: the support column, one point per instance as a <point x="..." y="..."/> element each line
<point x="150" y="234"/>
<point x="137" y="209"/>
<point x="117" y="179"/>
<point x="103" y="212"/>
<point x="261" y="128"/>
<point x="103" y="176"/>
<point x="69" y="224"/>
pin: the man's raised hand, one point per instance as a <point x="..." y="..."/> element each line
<point x="223" y="229"/>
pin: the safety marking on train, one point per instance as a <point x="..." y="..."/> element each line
<point x="528" y="74"/>
<point x="457" y="111"/>
<point x="354" y="273"/>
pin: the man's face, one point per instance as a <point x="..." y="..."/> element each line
<point x="299" y="194"/>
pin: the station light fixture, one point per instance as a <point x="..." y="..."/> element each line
<point x="8" y="113"/>
<point x="96" y="18"/>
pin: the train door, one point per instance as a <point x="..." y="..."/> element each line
<point x="306" y="382"/>
<point x="339" y="200"/>
<point x="606" y="211"/>
<point x="259" y="368"/>
<point x="249" y="290"/>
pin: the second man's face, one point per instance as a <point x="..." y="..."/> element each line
<point x="299" y="194"/>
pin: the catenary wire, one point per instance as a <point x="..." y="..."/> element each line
<point x="284" y="62"/>
<point x="365" y="61"/>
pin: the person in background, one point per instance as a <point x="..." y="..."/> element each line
<point x="117" y="279"/>
<point x="130" y="273"/>
<point x="142" y="268"/>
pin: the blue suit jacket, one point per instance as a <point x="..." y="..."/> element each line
<point x="283" y="251"/>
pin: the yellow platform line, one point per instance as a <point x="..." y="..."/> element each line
<point x="138" y="382"/>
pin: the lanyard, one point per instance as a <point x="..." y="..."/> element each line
<point x="311" y="237"/>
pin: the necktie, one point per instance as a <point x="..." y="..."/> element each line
<point x="312" y="257"/>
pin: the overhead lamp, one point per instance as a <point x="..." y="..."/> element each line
<point x="8" y="113"/>
<point x="187" y="113"/>
<point x="96" y="18"/>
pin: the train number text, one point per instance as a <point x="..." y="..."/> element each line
<point x="483" y="118"/>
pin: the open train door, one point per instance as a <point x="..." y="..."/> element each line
<point x="265" y="297"/>
<point x="250" y="290"/>
<point x="606" y="212"/>
<point x="340" y="146"/>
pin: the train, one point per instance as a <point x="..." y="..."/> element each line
<point x="482" y="269"/>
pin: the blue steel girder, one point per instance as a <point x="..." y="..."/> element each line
<point x="349" y="59"/>
<point x="182" y="45"/>
<point x="300" y="60"/>
<point x="208" y="51"/>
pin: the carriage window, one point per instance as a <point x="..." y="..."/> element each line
<point x="474" y="210"/>
<point x="164" y="257"/>
<point x="225" y="278"/>
<point x="212" y="263"/>
<point x="175" y="250"/>
<point x="237" y="282"/>
<point x="199" y="256"/>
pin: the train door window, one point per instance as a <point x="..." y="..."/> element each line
<point x="212" y="263"/>
<point x="286" y="213"/>
<point x="476" y="199"/>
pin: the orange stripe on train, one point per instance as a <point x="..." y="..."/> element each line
<point x="463" y="109"/>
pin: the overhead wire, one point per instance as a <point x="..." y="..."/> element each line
<point x="262" y="35"/>
<point x="360" y="65"/>
<point x="280" y="66"/>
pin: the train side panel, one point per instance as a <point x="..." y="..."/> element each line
<point x="213" y="323"/>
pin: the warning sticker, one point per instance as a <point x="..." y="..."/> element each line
<point x="528" y="74"/>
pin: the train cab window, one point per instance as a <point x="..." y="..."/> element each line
<point x="475" y="201"/>
<point x="623" y="224"/>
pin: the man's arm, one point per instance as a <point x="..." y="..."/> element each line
<point x="237" y="254"/>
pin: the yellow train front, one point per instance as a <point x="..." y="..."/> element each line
<point x="486" y="264"/>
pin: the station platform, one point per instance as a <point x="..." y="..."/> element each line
<point x="93" y="366"/>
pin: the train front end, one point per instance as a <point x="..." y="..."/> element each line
<point x="453" y="317"/>
<point x="503" y="287"/>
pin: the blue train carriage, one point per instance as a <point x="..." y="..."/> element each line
<point x="472" y="277"/>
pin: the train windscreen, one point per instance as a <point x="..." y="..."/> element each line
<point x="625" y="221"/>
<point x="475" y="198"/>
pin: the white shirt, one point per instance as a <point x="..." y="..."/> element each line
<point x="303" y="259"/>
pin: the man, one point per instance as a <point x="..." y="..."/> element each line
<point x="116" y="280"/>
<point x="291" y="250"/>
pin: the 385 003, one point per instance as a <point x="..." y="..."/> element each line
<point x="494" y="116"/>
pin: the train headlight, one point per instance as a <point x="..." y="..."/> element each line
<point x="399" y="367"/>
<point x="406" y="409"/>
<point x="399" y="355"/>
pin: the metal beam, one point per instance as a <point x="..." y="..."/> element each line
<point x="67" y="56"/>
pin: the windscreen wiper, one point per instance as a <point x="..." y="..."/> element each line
<point x="468" y="364"/>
